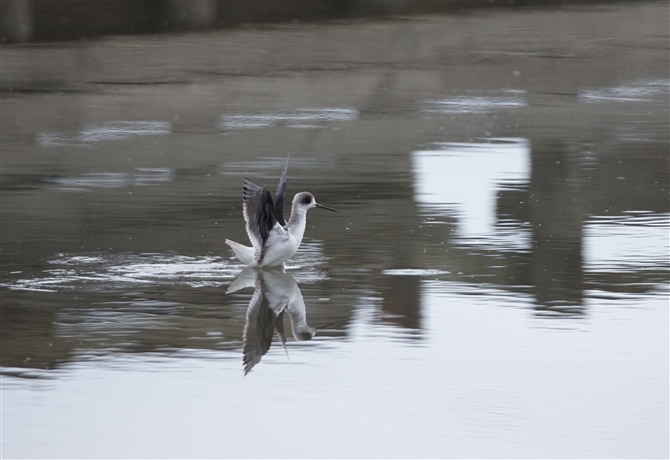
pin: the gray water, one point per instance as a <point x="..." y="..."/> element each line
<point x="495" y="283"/>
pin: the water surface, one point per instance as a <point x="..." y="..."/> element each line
<point x="495" y="284"/>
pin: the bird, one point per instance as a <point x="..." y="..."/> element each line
<point x="274" y="239"/>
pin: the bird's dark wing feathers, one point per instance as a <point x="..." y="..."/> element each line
<point x="261" y="212"/>
<point x="279" y="197"/>
<point x="258" y="214"/>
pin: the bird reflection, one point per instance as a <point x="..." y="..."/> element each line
<point x="275" y="292"/>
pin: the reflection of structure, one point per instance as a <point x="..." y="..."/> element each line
<point x="555" y="268"/>
<point x="473" y="181"/>
<point x="514" y="205"/>
<point x="463" y="178"/>
<point x="401" y="300"/>
<point x="275" y="293"/>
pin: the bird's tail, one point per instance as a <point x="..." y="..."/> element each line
<point x="244" y="253"/>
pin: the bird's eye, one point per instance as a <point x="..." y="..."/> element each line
<point x="307" y="200"/>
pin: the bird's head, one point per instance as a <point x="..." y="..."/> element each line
<point x="305" y="201"/>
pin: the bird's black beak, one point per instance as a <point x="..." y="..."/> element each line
<point x="326" y="207"/>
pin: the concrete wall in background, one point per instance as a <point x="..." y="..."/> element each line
<point x="17" y="21"/>
<point x="30" y="20"/>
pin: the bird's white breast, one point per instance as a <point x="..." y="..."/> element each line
<point x="280" y="246"/>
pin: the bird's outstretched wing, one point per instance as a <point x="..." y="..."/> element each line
<point x="258" y="214"/>
<point x="279" y="197"/>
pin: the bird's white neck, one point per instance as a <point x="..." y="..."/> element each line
<point x="296" y="223"/>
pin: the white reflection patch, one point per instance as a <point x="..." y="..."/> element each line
<point x="627" y="243"/>
<point x="462" y="180"/>
<point x="112" y="131"/>
<point x="476" y="104"/>
<point x="642" y="91"/>
<point x="141" y="177"/>
<point x="299" y="118"/>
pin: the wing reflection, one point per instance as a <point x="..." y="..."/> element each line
<point x="276" y="292"/>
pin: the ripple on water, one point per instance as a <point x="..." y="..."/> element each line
<point x="477" y="104"/>
<point x="639" y="91"/>
<point x="98" y="271"/>
<point x="298" y="118"/>
<point x="108" y="271"/>
<point x="111" y="131"/>
<point x="140" y="177"/>
<point x="630" y="242"/>
<point x="414" y="272"/>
